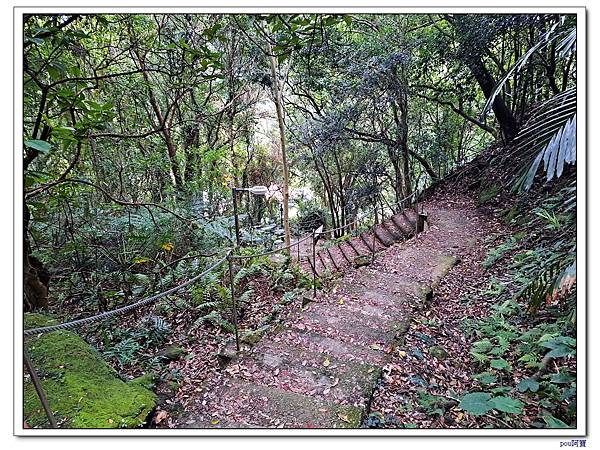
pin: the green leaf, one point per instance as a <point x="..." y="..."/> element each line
<point x="482" y="346"/>
<point x="528" y="384"/>
<point x="500" y="364"/>
<point x="486" y="378"/>
<point x="507" y="405"/>
<point x="479" y="357"/>
<point x="561" y="378"/>
<point x="40" y="146"/>
<point x="476" y="403"/>
<point x="553" y="422"/>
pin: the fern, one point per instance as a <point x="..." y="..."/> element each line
<point x="249" y="272"/>
<point x="216" y="319"/>
<point x="208" y="305"/>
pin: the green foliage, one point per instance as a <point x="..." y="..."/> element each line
<point x="433" y="405"/>
<point x="528" y="384"/>
<point x="553" y="422"/>
<point x="500" y="364"/>
<point x="497" y="253"/>
<point x="217" y="320"/>
<point x="126" y="345"/>
<point x="507" y="405"/>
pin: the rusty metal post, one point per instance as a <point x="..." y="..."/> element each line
<point x="233" y="303"/>
<point x="374" y="224"/>
<point x="421" y="218"/>
<point x="417" y="213"/>
<point x="235" y="216"/>
<point x="314" y="266"/>
<point x="38" y="388"/>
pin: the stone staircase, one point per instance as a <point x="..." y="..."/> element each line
<point x="319" y="367"/>
<point x="396" y="228"/>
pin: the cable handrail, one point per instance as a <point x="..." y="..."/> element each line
<point x="124" y="309"/>
<point x="360" y="217"/>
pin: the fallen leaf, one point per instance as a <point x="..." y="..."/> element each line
<point x="160" y="416"/>
<point x="344" y="417"/>
<point x="214" y="421"/>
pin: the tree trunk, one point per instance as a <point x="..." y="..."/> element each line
<point x="507" y="121"/>
<point x="35" y="277"/>
<point x="279" y="107"/>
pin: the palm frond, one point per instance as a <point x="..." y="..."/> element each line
<point x="550" y="135"/>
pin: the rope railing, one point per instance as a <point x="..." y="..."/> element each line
<point x="124" y="309"/>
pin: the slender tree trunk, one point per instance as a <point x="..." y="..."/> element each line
<point x="279" y="107"/>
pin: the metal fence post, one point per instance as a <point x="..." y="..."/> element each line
<point x="416" y="195"/>
<point x="233" y="303"/>
<point x="374" y="224"/>
<point x="314" y="266"/>
<point x="38" y="388"/>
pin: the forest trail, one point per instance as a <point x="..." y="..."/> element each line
<point x="319" y="368"/>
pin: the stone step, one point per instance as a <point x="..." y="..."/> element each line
<point x="346" y="253"/>
<point x="335" y="258"/>
<point x="355" y="312"/>
<point x="392" y="230"/>
<point x="249" y="405"/>
<point x="383" y="235"/>
<point x="402" y="223"/>
<point x="369" y="314"/>
<point x="355" y="246"/>
<point x="317" y="375"/>
<point x="343" y="329"/>
<point x="368" y="241"/>
<point x="317" y="343"/>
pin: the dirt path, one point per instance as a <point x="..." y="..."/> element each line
<point x="320" y="367"/>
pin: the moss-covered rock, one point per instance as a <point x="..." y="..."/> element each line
<point x="361" y="261"/>
<point x="438" y="352"/>
<point x="82" y="389"/>
<point x="253" y="336"/>
<point x="488" y="193"/>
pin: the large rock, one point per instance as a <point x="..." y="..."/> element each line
<point x="82" y="389"/>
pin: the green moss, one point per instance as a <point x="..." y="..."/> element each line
<point x="438" y="352"/>
<point x="83" y="391"/>
<point x="349" y="416"/>
<point x="488" y="193"/>
<point x="253" y="336"/>
<point x="361" y="261"/>
<point x="510" y="214"/>
<point x="38" y="321"/>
